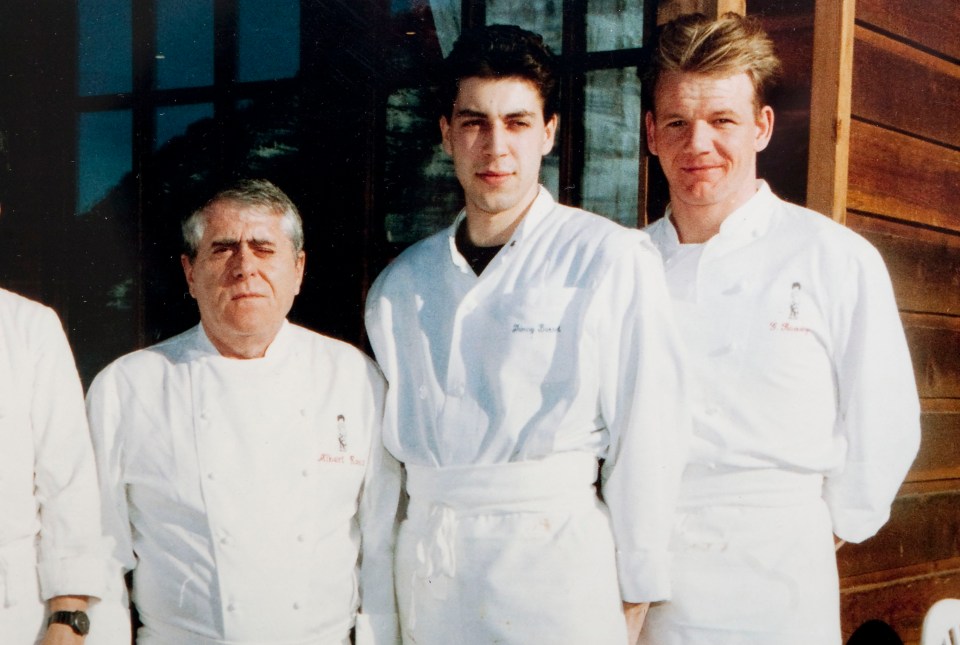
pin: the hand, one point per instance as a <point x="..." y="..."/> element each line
<point x="636" y="614"/>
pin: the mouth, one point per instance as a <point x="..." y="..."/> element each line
<point x="494" y="178"/>
<point x="246" y="296"/>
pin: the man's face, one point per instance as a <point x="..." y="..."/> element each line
<point x="245" y="276"/>
<point x="497" y="138"/>
<point x="707" y="133"/>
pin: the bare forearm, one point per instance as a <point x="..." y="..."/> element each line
<point x="635" y="614"/>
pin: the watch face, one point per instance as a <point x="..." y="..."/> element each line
<point x="81" y="623"/>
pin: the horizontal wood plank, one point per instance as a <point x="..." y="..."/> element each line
<point x="935" y="349"/>
<point x="902" y="177"/>
<point x="904" y="88"/>
<point x="925" y="270"/>
<point x="921" y="529"/>
<point x="934" y="24"/>
<point x="901" y="604"/>
<point x="939" y="456"/>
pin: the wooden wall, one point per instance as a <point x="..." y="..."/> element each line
<point x="903" y="190"/>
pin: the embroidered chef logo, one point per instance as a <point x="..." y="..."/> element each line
<point x="341" y="432"/>
<point x="342" y="448"/>
<point x="793" y="314"/>
<point x="795" y="301"/>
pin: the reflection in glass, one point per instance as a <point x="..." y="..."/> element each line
<point x="105" y="47"/>
<point x="105" y="154"/>
<point x="184" y="43"/>
<point x="268" y="39"/>
<point x="612" y="145"/>
<point x="614" y="24"/>
<point x="422" y="193"/>
<point x="173" y="120"/>
<point x="544" y="17"/>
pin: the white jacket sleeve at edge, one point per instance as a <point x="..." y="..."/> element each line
<point x="71" y="547"/>
<point x="643" y="404"/>
<point x="879" y="412"/>
<point x="104" y="411"/>
<point x="377" y="622"/>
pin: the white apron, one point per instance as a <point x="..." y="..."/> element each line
<point x="753" y="563"/>
<point x="518" y="552"/>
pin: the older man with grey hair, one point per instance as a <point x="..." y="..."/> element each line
<point x="242" y="470"/>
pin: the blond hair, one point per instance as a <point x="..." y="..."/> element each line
<point x="729" y="45"/>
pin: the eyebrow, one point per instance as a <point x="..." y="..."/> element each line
<point x="468" y="113"/>
<point x="233" y="242"/>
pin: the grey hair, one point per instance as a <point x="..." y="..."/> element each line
<point x="249" y="192"/>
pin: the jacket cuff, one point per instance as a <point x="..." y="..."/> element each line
<point x="644" y="575"/>
<point x="377" y="629"/>
<point x="80" y="575"/>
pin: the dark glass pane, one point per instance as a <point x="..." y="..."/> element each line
<point x="173" y="120"/>
<point x="612" y="148"/>
<point x="544" y="17"/>
<point x="105" y="155"/>
<point x="268" y="35"/>
<point x="614" y="24"/>
<point x="184" y="43"/>
<point x="422" y="193"/>
<point x="105" y="47"/>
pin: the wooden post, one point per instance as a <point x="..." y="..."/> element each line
<point x="670" y="9"/>
<point x="830" y="107"/>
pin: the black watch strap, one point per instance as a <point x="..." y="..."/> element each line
<point x="77" y="620"/>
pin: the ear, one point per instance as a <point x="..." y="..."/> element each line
<point x="550" y="134"/>
<point x="445" y="135"/>
<point x="188" y="273"/>
<point x="301" y="262"/>
<point x="764" y="128"/>
<point x="651" y="127"/>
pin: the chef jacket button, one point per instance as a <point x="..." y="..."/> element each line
<point x="303" y="412"/>
<point x="422" y="391"/>
<point x="225" y="540"/>
<point x="211" y="476"/>
<point x="301" y="538"/>
<point x="232" y="606"/>
<point x="296" y="605"/>
<point x="305" y="472"/>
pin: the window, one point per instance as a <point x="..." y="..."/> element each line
<point x="596" y="160"/>
<point x="327" y="99"/>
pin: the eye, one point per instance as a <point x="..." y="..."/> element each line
<point x="519" y="124"/>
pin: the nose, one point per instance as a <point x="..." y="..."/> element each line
<point x="496" y="140"/>
<point x="244" y="262"/>
<point x="699" y="137"/>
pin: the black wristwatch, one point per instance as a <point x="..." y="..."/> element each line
<point x="77" y="620"/>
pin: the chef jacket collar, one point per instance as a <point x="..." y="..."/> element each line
<point x="542" y="204"/>
<point x="205" y="346"/>
<point x="748" y="221"/>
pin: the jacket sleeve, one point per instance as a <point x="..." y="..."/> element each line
<point x="879" y="412"/>
<point x="71" y="547"/>
<point x="105" y="414"/>
<point x="377" y="622"/>
<point x="643" y="405"/>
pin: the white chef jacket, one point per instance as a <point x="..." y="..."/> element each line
<point x="49" y="502"/>
<point x="242" y="492"/>
<point x="563" y="343"/>
<point x="798" y="356"/>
